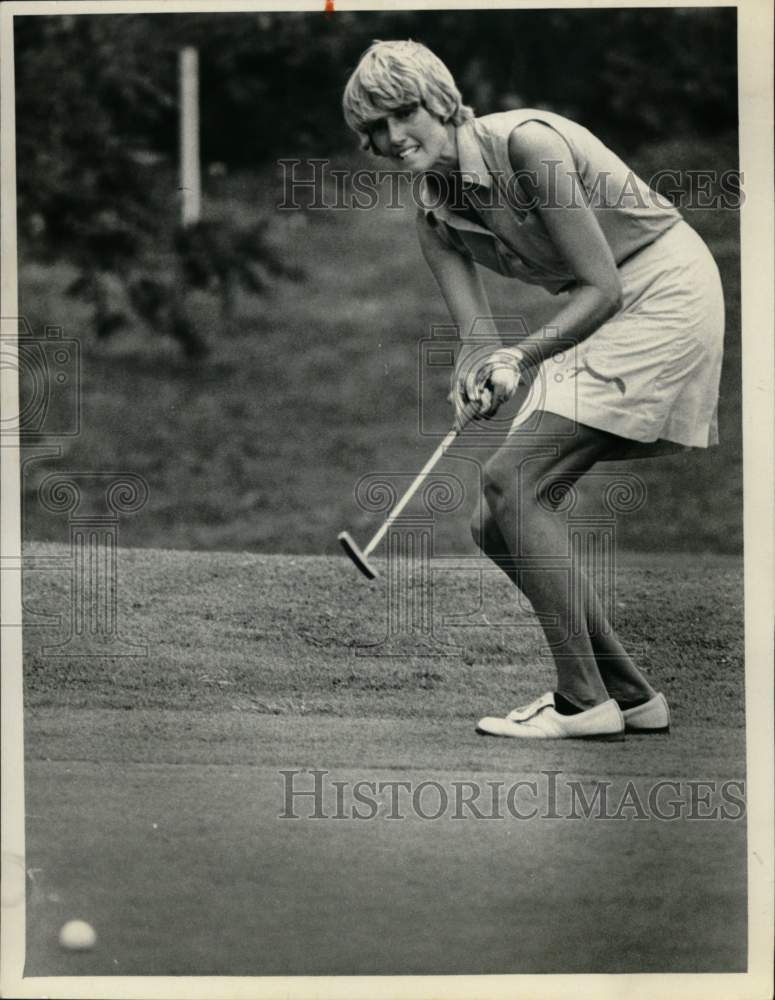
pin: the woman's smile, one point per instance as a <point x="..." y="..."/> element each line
<point x="414" y="138"/>
<point x="407" y="151"/>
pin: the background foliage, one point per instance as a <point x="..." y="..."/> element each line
<point x="271" y="82"/>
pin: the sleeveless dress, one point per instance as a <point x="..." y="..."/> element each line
<point x="651" y="372"/>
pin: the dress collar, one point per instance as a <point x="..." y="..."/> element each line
<point x="472" y="168"/>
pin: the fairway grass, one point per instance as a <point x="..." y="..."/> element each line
<point x="295" y="635"/>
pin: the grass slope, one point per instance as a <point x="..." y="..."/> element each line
<point x="289" y="635"/>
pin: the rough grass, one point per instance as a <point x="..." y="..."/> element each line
<point x="259" y="447"/>
<point x="278" y="635"/>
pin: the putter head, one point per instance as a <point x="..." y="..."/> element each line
<point x="360" y="560"/>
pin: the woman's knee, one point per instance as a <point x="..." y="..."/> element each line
<point x="510" y="482"/>
<point x="537" y="485"/>
<point x="487" y="534"/>
<point x="485" y="531"/>
<point x="498" y="481"/>
<point x="517" y="504"/>
<point x="477" y="531"/>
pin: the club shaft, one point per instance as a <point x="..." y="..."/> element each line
<point x="396" y="511"/>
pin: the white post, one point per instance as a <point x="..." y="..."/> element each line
<point x="190" y="181"/>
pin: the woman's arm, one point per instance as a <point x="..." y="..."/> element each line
<point x="461" y="286"/>
<point x="544" y="164"/>
<point x="546" y="172"/>
<point x="459" y="281"/>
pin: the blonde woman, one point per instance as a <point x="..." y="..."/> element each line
<point x="535" y="196"/>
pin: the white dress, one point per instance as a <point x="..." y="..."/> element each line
<point x="650" y="373"/>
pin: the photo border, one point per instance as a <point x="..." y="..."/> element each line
<point x="755" y="82"/>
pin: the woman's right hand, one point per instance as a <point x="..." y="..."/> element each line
<point x="465" y="408"/>
<point x="479" y="389"/>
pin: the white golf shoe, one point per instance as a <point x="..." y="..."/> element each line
<point x="652" y="716"/>
<point x="541" y="721"/>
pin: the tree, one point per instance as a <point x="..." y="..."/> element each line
<point x="104" y="90"/>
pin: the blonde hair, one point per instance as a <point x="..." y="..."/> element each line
<point x="391" y="75"/>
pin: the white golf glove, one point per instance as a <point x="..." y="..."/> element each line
<point x="482" y="387"/>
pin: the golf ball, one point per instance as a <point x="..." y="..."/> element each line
<point x="77" y="935"/>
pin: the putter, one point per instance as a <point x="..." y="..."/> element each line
<point x="361" y="556"/>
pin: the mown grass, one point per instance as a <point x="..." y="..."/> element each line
<point x="289" y="635"/>
<point x="258" y="448"/>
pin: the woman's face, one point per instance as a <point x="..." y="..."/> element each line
<point x="414" y="139"/>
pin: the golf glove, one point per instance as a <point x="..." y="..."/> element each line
<point x="484" y="386"/>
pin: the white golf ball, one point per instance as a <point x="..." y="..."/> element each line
<point x="77" y="935"/>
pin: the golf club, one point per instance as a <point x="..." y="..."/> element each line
<point x="361" y="556"/>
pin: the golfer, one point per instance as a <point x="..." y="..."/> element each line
<point x="535" y="196"/>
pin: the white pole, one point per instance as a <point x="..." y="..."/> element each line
<point x="190" y="181"/>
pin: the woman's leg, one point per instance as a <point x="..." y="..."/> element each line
<point x="519" y="527"/>
<point x="621" y="677"/>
